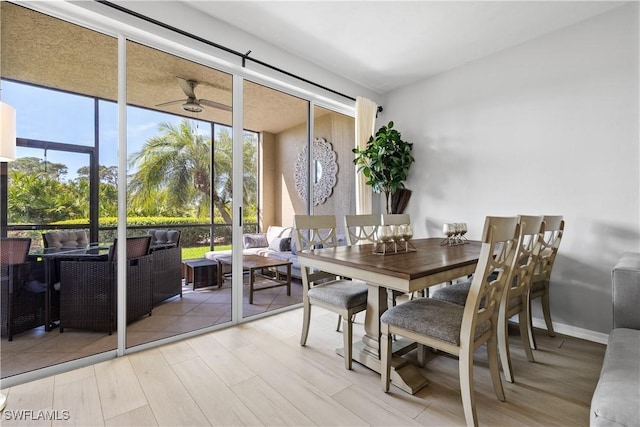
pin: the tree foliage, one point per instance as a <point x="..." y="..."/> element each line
<point x="172" y="178"/>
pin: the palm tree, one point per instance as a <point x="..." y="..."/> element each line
<point x="176" y="166"/>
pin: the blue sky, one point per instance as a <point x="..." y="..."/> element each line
<point x="49" y="115"/>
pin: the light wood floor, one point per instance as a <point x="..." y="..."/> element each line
<point x="257" y="374"/>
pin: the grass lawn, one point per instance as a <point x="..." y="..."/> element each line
<point x="199" y="251"/>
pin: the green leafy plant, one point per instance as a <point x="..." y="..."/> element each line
<point x="385" y="161"/>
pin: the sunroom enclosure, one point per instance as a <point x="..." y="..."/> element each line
<point x="183" y="166"/>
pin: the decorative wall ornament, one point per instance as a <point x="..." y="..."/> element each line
<point x="326" y="171"/>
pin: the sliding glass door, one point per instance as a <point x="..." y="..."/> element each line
<point x="178" y="189"/>
<point x="61" y="80"/>
<point x="271" y="198"/>
<point x="179" y="151"/>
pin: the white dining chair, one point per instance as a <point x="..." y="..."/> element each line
<point x="515" y="300"/>
<point x="541" y="281"/>
<point x="342" y="296"/>
<point x="361" y="228"/>
<point x="460" y="330"/>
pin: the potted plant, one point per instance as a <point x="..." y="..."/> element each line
<point x="385" y="163"/>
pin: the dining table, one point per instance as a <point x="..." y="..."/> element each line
<point x="426" y="262"/>
<point x="51" y="258"/>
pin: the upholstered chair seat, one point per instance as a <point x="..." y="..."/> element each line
<point x="342" y="294"/>
<point x="434" y="318"/>
<point x="456" y="293"/>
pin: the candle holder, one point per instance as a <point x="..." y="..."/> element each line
<point x="455" y="234"/>
<point x="393" y="239"/>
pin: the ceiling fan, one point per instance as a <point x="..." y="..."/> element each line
<point x="193" y="104"/>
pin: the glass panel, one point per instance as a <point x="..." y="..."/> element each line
<point x="271" y="199"/>
<point x="53" y="78"/>
<point x="48" y="187"/>
<point x="108" y="170"/>
<point x="175" y="106"/>
<point x="51" y="115"/>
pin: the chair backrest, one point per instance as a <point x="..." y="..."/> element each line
<point x="67" y="239"/>
<point x="315" y="231"/>
<point x="500" y="240"/>
<point x="136" y="247"/>
<point x="361" y="228"/>
<point x="553" y="231"/>
<point x="14" y="250"/>
<point x="164" y="237"/>
<point x="396" y="219"/>
<point x="527" y="257"/>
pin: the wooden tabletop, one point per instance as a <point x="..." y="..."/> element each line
<point x="402" y="270"/>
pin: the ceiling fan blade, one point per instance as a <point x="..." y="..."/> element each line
<point x="214" y="104"/>
<point x="188" y="86"/>
<point x="177" y="101"/>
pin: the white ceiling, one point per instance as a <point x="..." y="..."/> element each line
<point x="383" y="45"/>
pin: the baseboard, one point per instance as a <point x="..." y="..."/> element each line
<point x="572" y="331"/>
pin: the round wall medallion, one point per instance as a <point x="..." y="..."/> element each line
<point x="326" y="171"/>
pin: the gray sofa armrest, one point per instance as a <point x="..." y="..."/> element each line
<point x="625" y="278"/>
<point x="615" y="400"/>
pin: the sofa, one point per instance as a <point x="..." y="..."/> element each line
<point x="276" y="243"/>
<point x="616" y="400"/>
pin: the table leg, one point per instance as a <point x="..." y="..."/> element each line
<point x="251" y="279"/>
<point x="220" y="275"/>
<point x="404" y="375"/>
<point x="288" y="279"/>
<point x="49" y="265"/>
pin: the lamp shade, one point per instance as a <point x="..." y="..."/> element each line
<point x="7" y="133"/>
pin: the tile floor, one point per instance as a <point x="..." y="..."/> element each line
<point x="197" y="309"/>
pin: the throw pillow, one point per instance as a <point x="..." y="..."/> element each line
<point x="281" y="244"/>
<point x="277" y="231"/>
<point x="255" y="240"/>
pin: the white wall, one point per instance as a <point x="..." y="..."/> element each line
<point x="547" y="127"/>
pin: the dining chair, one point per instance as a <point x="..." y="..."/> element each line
<point x="515" y="299"/>
<point x="22" y="308"/>
<point x="342" y="296"/>
<point x="456" y="329"/>
<point x="395" y="219"/>
<point x="553" y="231"/>
<point x="88" y="288"/>
<point x="361" y="228"/>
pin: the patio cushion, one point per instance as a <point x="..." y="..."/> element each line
<point x="163" y="237"/>
<point x="258" y="240"/>
<point x="66" y="239"/>
<point x="280" y="244"/>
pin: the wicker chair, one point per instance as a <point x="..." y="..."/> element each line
<point x="21" y="310"/>
<point x="167" y="264"/>
<point x="88" y="288"/>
